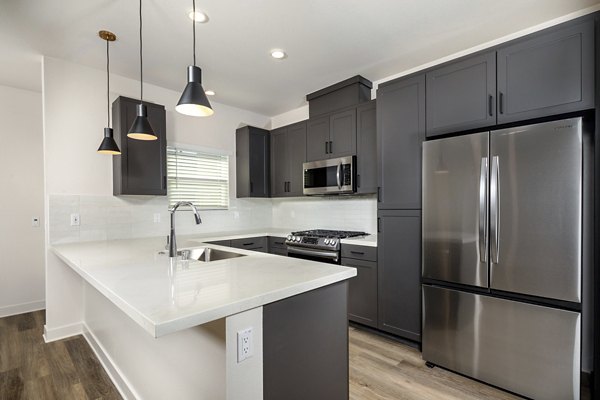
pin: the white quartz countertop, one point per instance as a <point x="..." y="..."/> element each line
<point x="370" y="241"/>
<point x="165" y="296"/>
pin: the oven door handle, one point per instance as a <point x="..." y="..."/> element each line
<point x="333" y="255"/>
<point x="338" y="173"/>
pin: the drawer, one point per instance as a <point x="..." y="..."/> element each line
<point x="276" y="242"/>
<point x="366" y="253"/>
<point x="278" y="251"/>
<point x="252" y="243"/>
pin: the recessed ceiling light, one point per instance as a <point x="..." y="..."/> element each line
<point x="278" y="54"/>
<point x="210" y="92"/>
<point x="199" y="16"/>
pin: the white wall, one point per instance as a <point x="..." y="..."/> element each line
<point x="21" y="174"/>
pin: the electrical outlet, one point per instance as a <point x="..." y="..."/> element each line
<point x="75" y="220"/>
<point x="245" y="346"/>
<point x="35" y="222"/>
<point x="157" y="218"/>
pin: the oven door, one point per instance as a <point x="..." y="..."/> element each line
<point x="334" y="176"/>
<point x="326" y="256"/>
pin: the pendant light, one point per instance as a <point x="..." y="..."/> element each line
<point x="108" y="145"/>
<point x="141" y="128"/>
<point x="193" y="100"/>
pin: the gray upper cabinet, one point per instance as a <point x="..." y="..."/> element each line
<point x="399" y="273"/>
<point x="400" y="133"/>
<point x="317" y="139"/>
<point x="366" y="148"/>
<point x="342" y="134"/>
<point x="547" y="73"/>
<point x="288" y="153"/>
<point x="331" y="136"/>
<point x="141" y="169"/>
<point x="252" y="149"/>
<point x="461" y="95"/>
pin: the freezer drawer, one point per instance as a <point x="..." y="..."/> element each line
<point x="527" y="349"/>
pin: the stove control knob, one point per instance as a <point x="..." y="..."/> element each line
<point x="298" y="238"/>
<point x="326" y="241"/>
<point x="289" y="238"/>
<point x="333" y="242"/>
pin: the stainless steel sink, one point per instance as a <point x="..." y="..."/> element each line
<point x="205" y="254"/>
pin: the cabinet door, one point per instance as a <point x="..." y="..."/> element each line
<point x="279" y="162"/>
<point x="400" y="133"/>
<point x="296" y="153"/>
<point x="366" y="148"/>
<point x="342" y="134"/>
<point x="461" y="95"/>
<point x="259" y="163"/>
<point x="242" y="162"/>
<point x="362" y="292"/>
<point x="317" y="139"/>
<point x="142" y="167"/>
<point x="399" y="273"/>
<point x="550" y="73"/>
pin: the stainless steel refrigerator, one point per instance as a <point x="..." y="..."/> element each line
<point x="502" y="257"/>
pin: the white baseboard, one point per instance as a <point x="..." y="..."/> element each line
<point x="118" y="379"/>
<point x="62" y="332"/>
<point x="23" y="308"/>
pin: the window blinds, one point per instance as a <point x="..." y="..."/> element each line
<point x="201" y="178"/>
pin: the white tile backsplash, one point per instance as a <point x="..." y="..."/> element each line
<point x="109" y="217"/>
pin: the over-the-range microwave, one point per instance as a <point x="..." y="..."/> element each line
<point x="333" y="176"/>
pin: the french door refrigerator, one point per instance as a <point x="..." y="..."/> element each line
<point x="502" y="257"/>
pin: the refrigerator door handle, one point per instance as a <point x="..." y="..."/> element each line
<point x="495" y="209"/>
<point x="483" y="210"/>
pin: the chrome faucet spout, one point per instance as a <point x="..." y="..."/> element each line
<point x="172" y="239"/>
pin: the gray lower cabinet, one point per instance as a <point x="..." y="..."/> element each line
<point x="288" y="153"/>
<point x="362" y="291"/>
<point x="400" y="133"/>
<point x="399" y="273"/>
<point x="551" y="72"/>
<point x="331" y="135"/>
<point x="276" y="245"/>
<point x="253" y="243"/>
<point x="141" y="169"/>
<point x="461" y="95"/>
<point x="305" y="346"/>
<point x="252" y="155"/>
<point x="366" y="148"/>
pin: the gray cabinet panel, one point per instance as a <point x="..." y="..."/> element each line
<point x="253" y="243"/>
<point x="296" y="144"/>
<point x="366" y="253"/>
<point x="461" y="95"/>
<point x="141" y="169"/>
<point x="342" y="134"/>
<point x="400" y="133"/>
<point x="317" y="139"/>
<point x="305" y="346"/>
<point x="252" y="152"/>
<point x="362" y="292"/>
<point x="399" y="273"/>
<point x="366" y="148"/>
<point x="279" y="162"/>
<point x="276" y="243"/>
<point x="279" y="252"/>
<point x="548" y="73"/>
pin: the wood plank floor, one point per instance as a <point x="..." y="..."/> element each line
<point x="380" y="369"/>
<point x="32" y="369"/>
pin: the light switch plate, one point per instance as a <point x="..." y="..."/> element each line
<point x="245" y="345"/>
<point x="75" y="220"/>
<point x="35" y="222"/>
<point x="157" y="218"/>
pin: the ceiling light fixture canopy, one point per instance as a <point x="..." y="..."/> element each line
<point x="108" y="145"/>
<point x="198" y="16"/>
<point x="141" y="128"/>
<point x="278" y="54"/>
<point x="193" y="100"/>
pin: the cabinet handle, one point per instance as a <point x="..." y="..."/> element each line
<point x="490" y="101"/>
<point x="248" y="244"/>
<point x="357" y="180"/>
<point x="501" y="103"/>
<point x="326" y="147"/>
<point x="330" y="147"/>
<point x="378" y="225"/>
<point x="360" y="253"/>
<point x="379" y="194"/>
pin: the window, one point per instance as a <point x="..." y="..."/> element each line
<point x="199" y="177"/>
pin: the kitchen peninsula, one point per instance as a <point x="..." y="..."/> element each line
<point x="169" y="328"/>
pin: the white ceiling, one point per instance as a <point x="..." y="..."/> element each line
<point x="326" y="40"/>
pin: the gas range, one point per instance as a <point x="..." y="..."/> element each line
<point x="318" y="244"/>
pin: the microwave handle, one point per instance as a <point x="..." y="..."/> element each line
<point x="338" y="175"/>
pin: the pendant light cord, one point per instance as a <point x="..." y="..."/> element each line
<point x="194" y="28"/>
<point x="107" y="87"/>
<point x="141" y="60"/>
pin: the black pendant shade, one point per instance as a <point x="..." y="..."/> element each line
<point x="141" y="128"/>
<point x="193" y="100"/>
<point x="108" y="145"/>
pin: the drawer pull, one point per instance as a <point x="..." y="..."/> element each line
<point x="248" y="244"/>
<point x="360" y="253"/>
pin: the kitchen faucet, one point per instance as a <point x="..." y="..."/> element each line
<point x="172" y="242"/>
